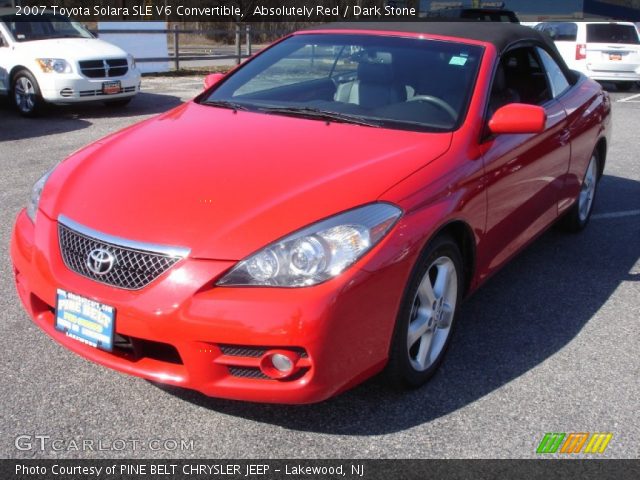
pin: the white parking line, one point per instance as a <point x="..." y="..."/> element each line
<point x="626" y="213"/>
<point x="630" y="99"/>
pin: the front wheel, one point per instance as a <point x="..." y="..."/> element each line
<point x="577" y="218"/>
<point x="427" y="315"/>
<point x="26" y="94"/>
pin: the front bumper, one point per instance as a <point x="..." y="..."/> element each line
<point x="192" y="334"/>
<point x="75" y="88"/>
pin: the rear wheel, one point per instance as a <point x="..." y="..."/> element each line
<point x="427" y="315"/>
<point x="26" y="94"/>
<point x="578" y="216"/>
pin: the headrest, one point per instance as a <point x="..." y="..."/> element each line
<point x="380" y="73"/>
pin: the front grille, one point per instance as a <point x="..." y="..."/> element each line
<point x="256" y="352"/>
<point x="132" y="268"/>
<point x="255" y="372"/>
<point x="116" y="67"/>
<point x="248" y="372"/>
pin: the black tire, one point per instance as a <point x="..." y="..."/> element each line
<point x="401" y="370"/>
<point x="25" y="93"/>
<point x="624" y="86"/>
<point x="118" y="103"/>
<point x="574" y="221"/>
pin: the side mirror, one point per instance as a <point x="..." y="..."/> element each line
<point x="211" y="79"/>
<point x="518" y="118"/>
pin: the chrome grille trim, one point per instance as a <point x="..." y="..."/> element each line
<point x="137" y="263"/>
<point x="169" y="251"/>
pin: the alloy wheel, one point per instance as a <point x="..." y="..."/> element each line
<point x="25" y="93"/>
<point x="587" y="193"/>
<point x="432" y="314"/>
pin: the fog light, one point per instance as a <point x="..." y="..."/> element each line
<point x="282" y="363"/>
<point x="279" y="363"/>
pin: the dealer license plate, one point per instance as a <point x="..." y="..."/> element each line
<point x="85" y="320"/>
<point x="615" y="56"/>
<point x="109" y="88"/>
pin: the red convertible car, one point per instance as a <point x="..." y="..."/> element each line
<point x="318" y="214"/>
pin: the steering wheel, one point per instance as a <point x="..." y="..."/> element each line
<point x="438" y="102"/>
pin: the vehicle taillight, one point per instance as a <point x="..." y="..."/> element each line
<point x="581" y="51"/>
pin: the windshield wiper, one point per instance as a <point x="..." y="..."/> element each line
<point x="316" y="113"/>
<point x="225" y="104"/>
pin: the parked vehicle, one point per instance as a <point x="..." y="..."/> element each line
<point x="49" y="58"/>
<point x="376" y="189"/>
<point x="605" y="51"/>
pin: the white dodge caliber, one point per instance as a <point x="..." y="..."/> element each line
<point x="50" y="58"/>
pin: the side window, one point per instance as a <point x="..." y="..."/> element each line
<point x="557" y="79"/>
<point x="561" y="31"/>
<point x="542" y="27"/>
<point x="519" y="78"/>
<point x="3" y="42"/>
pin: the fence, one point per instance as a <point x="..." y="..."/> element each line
<point x="241" y="33"/>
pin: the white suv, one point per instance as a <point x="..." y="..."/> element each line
<point x="49" y="58"/>
<point x="606" y="51"/>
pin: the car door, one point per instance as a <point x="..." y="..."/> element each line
<point x="586" y="107"/>
<point x="523" y="171"/>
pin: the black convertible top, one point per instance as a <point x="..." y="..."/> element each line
<point x="500" y="34"/>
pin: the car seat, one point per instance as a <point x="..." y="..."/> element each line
<point x="375" y="87"/>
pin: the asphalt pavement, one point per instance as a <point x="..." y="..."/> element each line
<point x="550" y="344"/>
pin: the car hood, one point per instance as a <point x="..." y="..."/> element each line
<point x="72" y="49"/>
<point x="225" y="183"/>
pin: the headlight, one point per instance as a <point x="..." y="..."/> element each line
<point x="36" y="191"/>
<point x="318" y="252"/>
<point x="132" y="61"/>
<point x="57" y="65"/>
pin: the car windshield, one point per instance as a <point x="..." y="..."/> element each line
<point x="25" y="28"/>
<point x="612" y="33"/>
<point x="385" y="81"/>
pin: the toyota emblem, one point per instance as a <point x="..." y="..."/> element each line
<point x="100" y="261"/>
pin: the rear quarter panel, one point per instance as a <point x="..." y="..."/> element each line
<point x="588" y="110"/>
